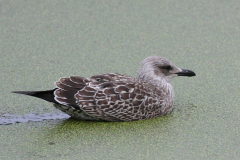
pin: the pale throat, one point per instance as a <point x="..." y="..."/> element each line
<point x="160" y="83"/>
<point x="163" y="84"/>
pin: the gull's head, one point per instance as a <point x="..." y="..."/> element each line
<point x="156" y="68"/>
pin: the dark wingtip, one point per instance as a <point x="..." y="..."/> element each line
<point x="24" y="92"/>
<point x="45" y="95"/>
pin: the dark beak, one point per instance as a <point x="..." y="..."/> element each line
<point x="186" y="72"/>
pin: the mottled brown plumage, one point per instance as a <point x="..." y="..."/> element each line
<point x="117" y="97"/>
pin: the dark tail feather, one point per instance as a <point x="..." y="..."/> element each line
<point x="45" y="95"/>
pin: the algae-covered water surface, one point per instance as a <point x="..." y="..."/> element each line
<point x="44" y="41"/>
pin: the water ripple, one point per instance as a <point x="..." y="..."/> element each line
<point x="10" y="119"/>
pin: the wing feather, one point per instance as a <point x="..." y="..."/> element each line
<point x="123" y="99"/>
<point x="110" y="97"/>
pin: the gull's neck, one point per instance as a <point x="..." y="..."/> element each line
<point x="159" y="82"/>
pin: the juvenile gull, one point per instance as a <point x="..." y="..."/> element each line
<point x="117" y="97"/>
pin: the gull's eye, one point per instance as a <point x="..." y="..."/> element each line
<point x="98" y="79"/>
<point x="168" y="67"/>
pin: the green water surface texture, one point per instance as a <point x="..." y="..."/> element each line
<point x="41" y="41"/>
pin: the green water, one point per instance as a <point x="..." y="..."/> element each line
<point x="43" y="41"/>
